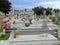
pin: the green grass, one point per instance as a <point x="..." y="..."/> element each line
<point x="4" y="37"/>
<point x="1" y="30"/>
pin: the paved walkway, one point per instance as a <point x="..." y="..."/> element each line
<point x="33" y="40"/>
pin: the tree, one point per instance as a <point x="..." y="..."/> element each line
<point x="5" y="6"/>
<point x="48" y="11"/>
<point x="25" y="9"/>
<point x="38" y="10"/>
<point x="56" y="10"/>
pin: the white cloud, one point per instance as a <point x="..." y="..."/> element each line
<point x="53" y="4"/>
<point x="48" y="2"/>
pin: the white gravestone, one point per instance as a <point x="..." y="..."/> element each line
<point x="59" y="32"/>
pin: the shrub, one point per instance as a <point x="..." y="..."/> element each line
<point x="53" y="19"/>
<point x="55" y="30"/>
<point x="56" y="22"/>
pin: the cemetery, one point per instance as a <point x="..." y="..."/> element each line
<point x="29" y="22"/>
<point x="22" y="30"/>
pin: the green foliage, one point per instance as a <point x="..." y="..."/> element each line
<point x="25" y="9"/>
<point x="56" y="10"/>
<point x="5" y="37"/>
<point x="53" y="19"/>
<point x="56" y="22"/>
<point x="48" y="11"/>
<point x="40" y="10"/>
<point x="55" y="30"/>
<point x="5" y="6"/>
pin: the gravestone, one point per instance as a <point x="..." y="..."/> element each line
<point x="59" y="32"/>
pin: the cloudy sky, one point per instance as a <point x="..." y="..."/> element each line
<point x="29" y="4"/>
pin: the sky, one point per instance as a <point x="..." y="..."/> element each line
<point x="29" y="4"/>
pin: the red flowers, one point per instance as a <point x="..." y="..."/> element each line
<point x="5" y="26"/>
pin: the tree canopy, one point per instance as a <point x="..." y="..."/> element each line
<point x="40" y="10"/>
<point x="5" y="6"/>
<point x="48" y="11"/>
<point x="56" y="10"/>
